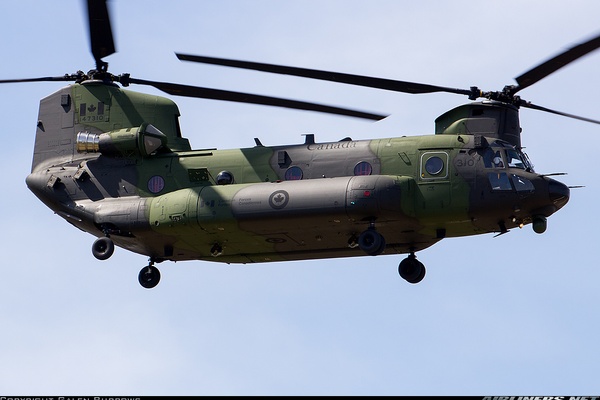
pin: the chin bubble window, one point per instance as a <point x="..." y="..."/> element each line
<point x="522" y="184"/>
<point x="499" y="181"/>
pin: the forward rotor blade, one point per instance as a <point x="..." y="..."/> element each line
<point x="546" y="68"/>
<point x="101" y="37"/>
<point x="536" y="107"/>
<point x="359" y="80"/>
<point x="216" y="94"/>
<point x="42" y="79"/>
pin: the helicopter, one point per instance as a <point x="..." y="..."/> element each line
<point x="114" y="163"/>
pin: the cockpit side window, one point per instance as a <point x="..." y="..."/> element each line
<point x="492" y="158"/>
<point x="514" y="160"/>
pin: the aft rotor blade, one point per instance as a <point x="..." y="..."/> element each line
<point x="546" y="68"/>
<point x="536" y="107"/>
<point x="101" y="37"/>
<point x="360" y="80"/>
<point x="217" y="94"/>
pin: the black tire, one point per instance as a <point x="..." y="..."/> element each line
<point x="149" y="277"/>
<point x="371" y="242"/>
<point x="421" y="275"/>
<point x="412" y="270"/>
<point x="381" y="246"/>
<point x="103" y="248"/>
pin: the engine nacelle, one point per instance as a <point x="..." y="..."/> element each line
<point x="130" y="142"/>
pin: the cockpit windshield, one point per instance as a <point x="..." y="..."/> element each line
<point x="505" y="157"/>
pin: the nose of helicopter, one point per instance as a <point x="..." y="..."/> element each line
<point x="559" y="193"/>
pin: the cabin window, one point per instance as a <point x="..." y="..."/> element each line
<point x="434" y="165"/>
<point x="156" y="184"/>
<point x="363" y="168"/>
<point x="224" y="178"/>
<point x="293" y="174"/>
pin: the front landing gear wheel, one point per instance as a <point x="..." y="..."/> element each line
<point x="149" y="276"/>
<point x="103" y="248"/>
<point x="411" y="269"/>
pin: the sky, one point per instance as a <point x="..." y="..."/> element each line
<point x="510" y="315"/>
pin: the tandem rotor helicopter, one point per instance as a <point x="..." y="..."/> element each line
<point x="114" y="163"/>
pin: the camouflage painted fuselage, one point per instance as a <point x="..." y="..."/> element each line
<point x="113" y="162"/>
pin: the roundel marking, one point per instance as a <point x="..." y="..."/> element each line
<point x="279" y="199"/>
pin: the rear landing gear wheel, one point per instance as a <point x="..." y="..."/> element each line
<point x="149" y="276"/>
<point x="411" y="269"/>
<point x="103" y="248"/>
<point x="371" y="242"/>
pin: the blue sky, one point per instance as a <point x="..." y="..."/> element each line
<point x="515" y="314"/>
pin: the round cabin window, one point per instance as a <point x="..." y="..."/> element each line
<point x="363" y="168"/>
<point x="293" y="174"/>
<point x="224" y="178"/>
<point x="434" y="165"/>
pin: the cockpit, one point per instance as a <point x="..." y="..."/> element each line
<point x="500" y="156"/>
